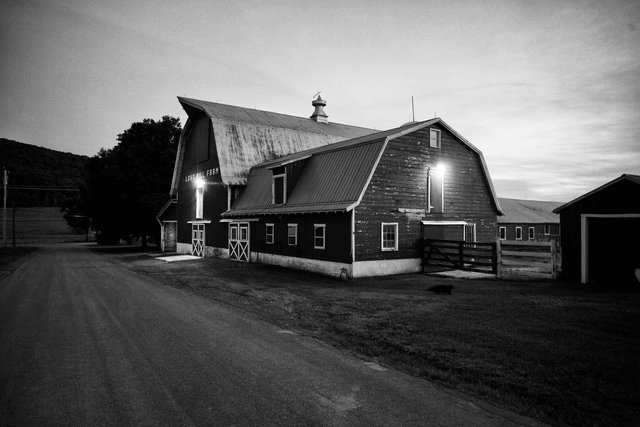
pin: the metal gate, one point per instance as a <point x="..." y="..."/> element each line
<point x="239" y="241"/>
<point x="197" y="240"/>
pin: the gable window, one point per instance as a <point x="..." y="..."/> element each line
<point x="292" y="234"/>
<point x="518" y="233"/>
<point x="199" y="203"/>
<point x="532" y="233"/>
<point x="503" y="233"/>
<point x="319" y="235"/>
<point x="389" y="236"/>
<point x="547" y="229"/>
<point x="434" y="138"/>
<point x="269" y="234"/>
<point x="436" y="189"/>
<point x="279" y="186"/>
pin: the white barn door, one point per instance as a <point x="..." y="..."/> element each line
<point x="239" y="241"/>
<point x="197" y="240"/>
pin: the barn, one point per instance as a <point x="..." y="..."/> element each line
<point x="361" y="206"/>
<point x="218" y="145"/>
<point x="528" y="220"/>
<point x="601" y="234"/>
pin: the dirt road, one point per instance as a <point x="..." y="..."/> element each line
<point x="86" y="341"/>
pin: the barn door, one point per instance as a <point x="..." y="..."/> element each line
<point x="239" y="241"/>
<point x="197" y="240"/>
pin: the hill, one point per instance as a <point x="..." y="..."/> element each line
<point x="31" y="166"/>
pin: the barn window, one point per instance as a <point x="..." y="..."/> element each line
<point x="532" y="233"/>
<point x="518" y="233"/>
<point x="436" y="189"/>
<point x="199" y="202"/>
<point x="279" y="186"/>
<point x="292" y="234"/>
<point x="503" y="233"/>
<point x="269" y="234"/>
<point x="389" y="236"/>
<point x="434" y="138"/>
<point x="547" y="229"/>
<point x="318" y="235"/>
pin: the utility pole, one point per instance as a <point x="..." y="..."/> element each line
<point x="5" y="182"/>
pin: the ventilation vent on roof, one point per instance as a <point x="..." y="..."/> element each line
<point x="319" y="115"/>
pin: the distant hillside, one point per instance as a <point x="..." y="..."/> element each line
<point x="34" y="166"/>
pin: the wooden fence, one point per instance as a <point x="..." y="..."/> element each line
<point x="480" y="257"/>
<point x="528" y="259"/>
<point x="502" y="258"/>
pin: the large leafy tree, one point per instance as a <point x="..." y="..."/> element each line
<point x="127" y="185"/>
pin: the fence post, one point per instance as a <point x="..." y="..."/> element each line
<point x="461" y="254"/>
<point x="554" y="262"/>
<point x="498" y="258"/>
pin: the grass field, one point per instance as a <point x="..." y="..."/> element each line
<point x="553" y="351"/>
<point x="39" y="225"/>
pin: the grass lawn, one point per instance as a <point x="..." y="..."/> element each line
<point x="553" y="351"/>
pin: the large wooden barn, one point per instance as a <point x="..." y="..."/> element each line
<point x="357" y="207"/>
<point x="601" y="234"/>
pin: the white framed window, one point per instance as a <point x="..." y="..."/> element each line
<point x="199" y="203"/>
<point x="279" y="186"/>
<point x="292" y="234"/>
<point x="233" y="231"/>
<point x="547" y="229"/>
<point x="503" y="233"/>
<point x="434" y="138"/>
<point x="389" y="236"/>
<point x="518" y="233"/>
<point x="269" y="234"/>
<point x="532" y="233"/>
<point x="319" y="231"/>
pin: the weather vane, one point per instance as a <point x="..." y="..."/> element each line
<point x="318" y="93"/>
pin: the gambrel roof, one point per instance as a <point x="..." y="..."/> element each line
<point x="334" y="177"/>
<point x="517" y="211"/>
<point x="245" y="137"/>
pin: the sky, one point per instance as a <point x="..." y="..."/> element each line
<point x="549" y="91"/>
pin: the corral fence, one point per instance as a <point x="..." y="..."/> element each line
<point x="502" y="258"/>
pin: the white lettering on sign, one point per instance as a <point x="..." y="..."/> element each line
<point x="203" y="174"/>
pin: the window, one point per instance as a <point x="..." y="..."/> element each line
<point x="269" y="236"/>
<point x="233" y="232"/>
<point x="503" y="233"/>
<point x="199" y="203"/>
<point x="318" y="235"/>
<point x="436" y="189"/>
<point x="292" y="234"/>
<point x="434" y="138"/>
<point x="532" y="233"/>
<point x="279" y="186"/>
<point x="547" y="229"/>
<point x="389" y="241"/>
<point x="518" y="233"/>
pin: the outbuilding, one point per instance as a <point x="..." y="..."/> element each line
<point x="528" y="220"/>
<point x="601" y="234"/>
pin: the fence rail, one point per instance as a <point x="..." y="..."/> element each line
<point x="523" y="259"/>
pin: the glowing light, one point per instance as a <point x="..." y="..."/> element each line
<point x="440" y="169"/>
<point x="199" y="183"/>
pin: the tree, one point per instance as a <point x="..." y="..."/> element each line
<point x="126" y="186"/>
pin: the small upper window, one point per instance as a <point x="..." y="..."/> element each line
<point x="319" y="236"/>
<point x="389" y="238"/>
<point x="532" y="233"/>
<point x="279" y="186"/>
<point x="434" y="138"/>
<point x="269" y="234"/>
<point x="503" y="233"/>
<point x="292" y="234"/>
<point x="518" y="233"/>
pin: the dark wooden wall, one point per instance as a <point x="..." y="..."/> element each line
<point x="618" y="198"/>
<point x="398" y="193"/>
<point x="337" y="236"/>
<point x="554" y="231"/>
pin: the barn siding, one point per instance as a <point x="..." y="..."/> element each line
<point x="337" y="237"/>
<point x="619" y="198"/>
<point x="200" y="156"/>
<point x="398" y="193"/>
<point x="554" y="231"/>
